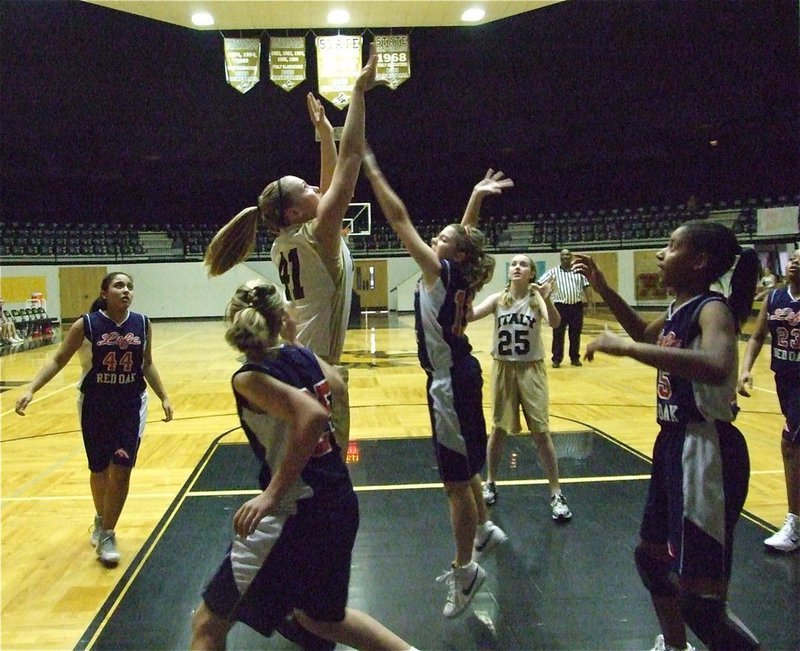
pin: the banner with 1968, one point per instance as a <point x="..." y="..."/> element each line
<point x="394" y="59"/>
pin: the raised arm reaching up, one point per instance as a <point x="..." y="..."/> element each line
<point x="327" y="144"/>
<point x="333" y="204"/>
<point x="492" y="184"/>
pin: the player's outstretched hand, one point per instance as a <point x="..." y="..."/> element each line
<point x="583" y="264"/>
<point x="366" y="78"/>
<point x="493" y="183"/>
<point x="547" y="288"/>
<point x="316" y="112"/>
<point x="608" y="342"/>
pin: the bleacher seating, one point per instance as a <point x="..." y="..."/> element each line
<point x="543" y="230"/>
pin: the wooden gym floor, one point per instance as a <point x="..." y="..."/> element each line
<point x="551" y="587"/>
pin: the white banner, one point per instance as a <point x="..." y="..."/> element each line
<point x="338" y="65"/>
<point x="287" y="61"/>
<point x="394" y="59"/>
<point x="777" y="221"/>
<point x="242" y="62"/>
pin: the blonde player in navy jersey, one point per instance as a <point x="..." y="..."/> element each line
<point x="312" y="259"/>
<point x="701" y="467"/>
<point x="780" y="317"/>
<point x="454" y="267"/>
<point x="115" y="348"/>
<point x="519" y="376"/>
<point x="294" y="540"/>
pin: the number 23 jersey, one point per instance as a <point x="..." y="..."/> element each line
<point x="517" y="332"/>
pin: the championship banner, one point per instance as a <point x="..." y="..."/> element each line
<point x="287" y="61"/>
<point x="394" y="59"/>
<point x="242" y="62"/>
<point x="338" y="65"/>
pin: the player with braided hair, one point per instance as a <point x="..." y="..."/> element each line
<point x="294" y="540"/>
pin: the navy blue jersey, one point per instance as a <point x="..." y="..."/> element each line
<point x="115" y="366"/>
<point x="783" y="319"/>
<point x="325" y="473"/>
<point x="440" y="319"/>
<point x="680" y="400"/>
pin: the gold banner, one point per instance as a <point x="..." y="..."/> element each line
<point x="242" y="62"/>
<point x="287" y="61"/>
<point x="394" y="59"/>
<point x="338" y="65"/>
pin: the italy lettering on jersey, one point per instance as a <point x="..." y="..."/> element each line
<point x="440" y="319"/>
<point x="677" y="398"/>
<point x="517" y="332"/>
<point x="116" y="361"/>
<point x="269" y="435"/>
<point x="783" y="320"/>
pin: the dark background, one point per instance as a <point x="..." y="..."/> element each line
<point x="110" y="117"/>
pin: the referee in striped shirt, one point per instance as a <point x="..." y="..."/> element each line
<point x="571" y="290"/>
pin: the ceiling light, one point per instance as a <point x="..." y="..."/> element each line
<point x="338" y="17"/>
<point x="202" y="19"/>
<point x="473" y="15"/>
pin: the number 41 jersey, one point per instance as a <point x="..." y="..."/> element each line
<point x="318" y="287"/>
<point x="517" y="332"/>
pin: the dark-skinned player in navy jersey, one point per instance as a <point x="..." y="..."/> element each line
<point x="780" y="317"/>
<point x="701" y="466"/>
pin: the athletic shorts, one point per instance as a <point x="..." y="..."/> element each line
<point x="112" y="429"/>
<point x="697" y="491"/>
<point x="788" y="388"/>
<point x="291" y="561"/>
<point x="455" y="405"/>
<point x="520" y="384"/>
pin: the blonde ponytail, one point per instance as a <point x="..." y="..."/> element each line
<point x="233" y="243"/>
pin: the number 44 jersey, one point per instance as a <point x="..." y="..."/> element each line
<point x="112" y="355"/>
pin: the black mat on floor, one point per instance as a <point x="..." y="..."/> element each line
<point x="571" y="586"/>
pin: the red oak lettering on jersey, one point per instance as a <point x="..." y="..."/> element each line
<point x="115" y="378"/>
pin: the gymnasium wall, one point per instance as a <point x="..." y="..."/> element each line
<point x="183" y="289"/>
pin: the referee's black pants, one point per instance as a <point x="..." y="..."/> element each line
<point x="572" y="318"/>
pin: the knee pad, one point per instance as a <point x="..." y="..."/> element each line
<point x="656" y="574"/>
<point x="717" y="628"/>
